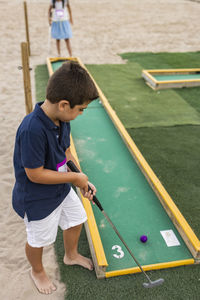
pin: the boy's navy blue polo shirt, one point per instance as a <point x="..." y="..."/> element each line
<point x="39" y="142"/>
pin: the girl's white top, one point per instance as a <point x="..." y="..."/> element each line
<point x="60" y="13"/>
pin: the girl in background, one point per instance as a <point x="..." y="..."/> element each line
<point x="60" y="17"/>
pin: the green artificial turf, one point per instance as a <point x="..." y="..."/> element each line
<point x="136" y="104"/>
<point x="180" y="283"/>
<point x="41" y="79"/>
<point x="173" y="154"/>
<point x="164" y="60"/>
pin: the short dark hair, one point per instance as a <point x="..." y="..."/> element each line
<point x="71" y="82"/>
<point x="55" y="1"/>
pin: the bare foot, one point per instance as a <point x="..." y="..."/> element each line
<point x="42" y="282"/>
<point x="79" y="260"/>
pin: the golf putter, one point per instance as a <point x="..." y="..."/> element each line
<point x="148" y="284"/>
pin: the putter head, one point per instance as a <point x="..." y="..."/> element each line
<point x="152" y="284"/>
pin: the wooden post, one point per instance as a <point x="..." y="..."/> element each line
<point x="27" y="28"/>
<point x="26" y="75"/>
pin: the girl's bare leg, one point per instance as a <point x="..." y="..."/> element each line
<point x="72" y="257"/>
<point x="68" y="45"/>
<point x="58" y="46"/>
<point x="41" y="280"/>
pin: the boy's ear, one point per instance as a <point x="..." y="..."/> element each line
<point x="63" y="104"/>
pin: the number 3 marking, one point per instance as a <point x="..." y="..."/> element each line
<point x="119" y="250"/>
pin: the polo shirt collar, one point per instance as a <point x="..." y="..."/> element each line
<point x="38" y="111"/>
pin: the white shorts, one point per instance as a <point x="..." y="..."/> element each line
<point x="68" y="214"/>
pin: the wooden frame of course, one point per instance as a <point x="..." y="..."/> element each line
<point x="95" y="243"/>
<point x="171" y="78"/>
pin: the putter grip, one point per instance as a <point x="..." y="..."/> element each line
<point x="74" y="168"/>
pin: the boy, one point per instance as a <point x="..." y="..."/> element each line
<point x="42" y="195"/>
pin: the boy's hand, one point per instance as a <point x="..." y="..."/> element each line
<point x="81" y="181"/>
<point x="89" y="194"/>
<point x="89" y="189"/>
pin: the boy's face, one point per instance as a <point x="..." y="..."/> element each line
<point x="67" y="113"/>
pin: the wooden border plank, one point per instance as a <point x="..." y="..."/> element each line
<point x="150" y="267"/>
<point x="27" y="27"/>
<point x="148" y="76"/>
<point x="26" y="77"/>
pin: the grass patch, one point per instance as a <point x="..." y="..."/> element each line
<point x="41" y="79"/>
<point x="164" y="60"/>
<point x="136" y="104"/>
<point x="180" y="283"/>
<point x="172" y="153"/>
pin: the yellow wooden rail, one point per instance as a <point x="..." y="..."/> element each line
<point x="149" y="73"/>
<point x="150" y="267"/>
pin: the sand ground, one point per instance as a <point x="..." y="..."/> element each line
<point x="101" y="30"/>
